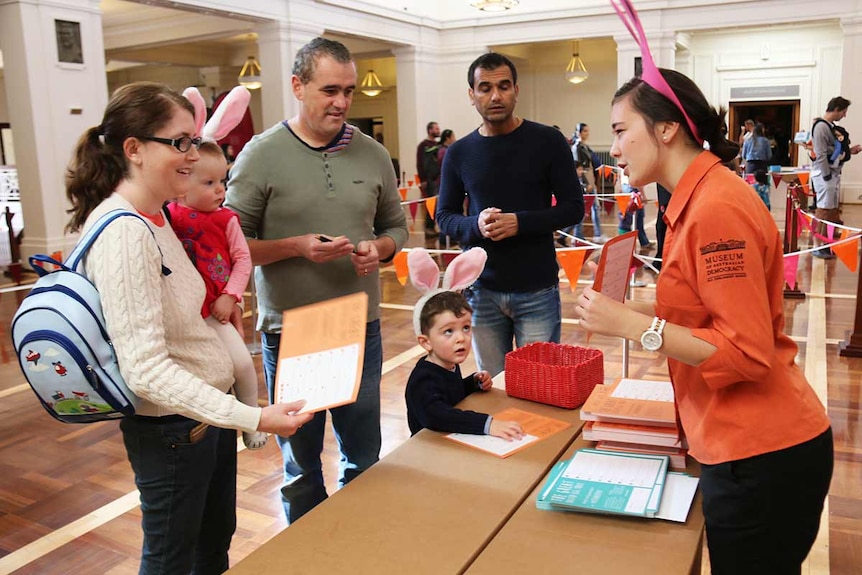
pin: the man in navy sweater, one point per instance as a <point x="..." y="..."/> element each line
<point x="509" y="169"/>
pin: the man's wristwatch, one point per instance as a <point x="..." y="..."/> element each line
<point x="651" y="339"/>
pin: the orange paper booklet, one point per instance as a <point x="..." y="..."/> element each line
<point x="321" y="353"/>
<point x="632" y="401"/>
<point x="631" y="433"/>
<point x="615" y="263"/>
<point x="676" y="454"/>
<point x="536" y="428"/>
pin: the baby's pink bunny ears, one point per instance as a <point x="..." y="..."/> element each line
<point x="225" y="118"/>
<point x="650" y="74"/>
<point x="425" y="275"/>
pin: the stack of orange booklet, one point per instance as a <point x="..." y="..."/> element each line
<point x="635" y="416"/>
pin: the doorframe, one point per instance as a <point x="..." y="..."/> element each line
<point x="735" y="119"/>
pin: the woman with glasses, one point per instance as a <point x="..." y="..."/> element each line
<point x="181" y="442"/>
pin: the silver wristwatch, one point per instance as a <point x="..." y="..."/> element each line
<point x="651" y="339"/>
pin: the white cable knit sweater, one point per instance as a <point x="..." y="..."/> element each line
<point x="167" y="354"/>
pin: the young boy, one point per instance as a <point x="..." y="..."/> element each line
<point x="761" y="186"/>
<point x="436" y="385"/>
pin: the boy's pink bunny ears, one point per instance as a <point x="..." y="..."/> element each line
<point x="650" y="74"/>
<point x="425" y="275"/>
<point x="225" y="118"/>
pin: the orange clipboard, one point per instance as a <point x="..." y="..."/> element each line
<point x="321" y="353"/>
<point x="537" y="427"/>
<point x="615" y="264"/>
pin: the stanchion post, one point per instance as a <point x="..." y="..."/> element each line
<point x="791" y="227"/>
<point x="852" y="347"/>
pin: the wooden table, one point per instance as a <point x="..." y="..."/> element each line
<point x="431" y="506"/>
<point x="538" y="541"/>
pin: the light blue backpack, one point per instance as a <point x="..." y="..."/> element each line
<point x="62" y="344"/>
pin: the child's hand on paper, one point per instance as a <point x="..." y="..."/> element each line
<point x="483" y="379"/>
<point x="507" y="430"/>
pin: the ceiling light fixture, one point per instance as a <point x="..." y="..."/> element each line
<point x="249" y="76"/>
<point x="371" y="84"/>
<point x="493" y="5"/>
<point x="576" y="72"/>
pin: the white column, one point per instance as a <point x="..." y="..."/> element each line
<point x="417" y="75"/>
<point x="851" y="88"/>
<point x="662" y="46"/>
<point x="278" y="43"/>
<point x="50" y="104"/>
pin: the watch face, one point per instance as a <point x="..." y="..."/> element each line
<point x="651" y="340"/>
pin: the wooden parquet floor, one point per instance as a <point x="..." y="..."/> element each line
<point x="67" y="497"/>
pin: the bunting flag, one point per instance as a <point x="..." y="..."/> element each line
<point x="400" y="263"/>
<point x="606" y="171"/>
<point x="431" y="205"/>
<point x="791" y="264"/>
<point x="572" y="262"/>
<point x="830" y="230"/>
<point x="413" y="208"/>
<point x="776" y="179"/>
<point x="609" y="207"/>
<point x="803" y="178"/>
<point x="403" y="192"/>
<point x="588" y="203"/>
<point x="847" y="253"/>
<point x="447" y="259"/>
<point x="623" y="203"/>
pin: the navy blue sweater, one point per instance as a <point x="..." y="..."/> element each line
<point x="431" y="395"/>
<point x="517" y="173"/>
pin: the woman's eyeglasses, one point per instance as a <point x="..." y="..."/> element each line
<point x="183" y="144"/>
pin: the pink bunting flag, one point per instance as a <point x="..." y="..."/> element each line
<point x="830" y="230"/>
<point x="791" y="265"/>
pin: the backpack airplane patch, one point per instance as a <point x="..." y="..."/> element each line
<point x="63" y="346"/>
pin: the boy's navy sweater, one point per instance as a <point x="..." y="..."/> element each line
<point x="431" y="394"/>
<point x="517" y="173"/>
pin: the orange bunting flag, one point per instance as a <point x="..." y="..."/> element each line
<point x="431" y="205"/>
<point x="572" y="262"/>
<point x="403" y="192"/>
<point x="607" y="171"/>
<point x="401" y="270"/>
<point x="803" y="178"/>
<point x="791" y="265"/>
<point x="847" y="253"/>
<point x="623" y="203"/>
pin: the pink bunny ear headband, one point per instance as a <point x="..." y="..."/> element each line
<point x="226" y="116"/>
<point x="650" y="74"/>
<point x="425" y="275"/>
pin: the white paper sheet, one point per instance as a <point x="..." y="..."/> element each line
<point x="644" y="389"/>
<point x="491" y="444"/>
<point x="321" y="378"/>
<point x="679" y="490"/>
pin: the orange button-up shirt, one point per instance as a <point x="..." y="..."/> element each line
<point x="723" y="277"/>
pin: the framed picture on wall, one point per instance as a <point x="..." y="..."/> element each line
<point x="69" y="48"/>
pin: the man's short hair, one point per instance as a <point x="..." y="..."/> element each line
<point x="837" y="104"/>
<point x="490" y="61"/>
<point x="305" y="63"/>
<point x="428" y="126"/>
<point x="441" y="303"/>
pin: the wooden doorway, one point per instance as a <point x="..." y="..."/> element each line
<point x="780" y="118"/>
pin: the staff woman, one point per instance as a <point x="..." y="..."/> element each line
<point x="758" y="429"/>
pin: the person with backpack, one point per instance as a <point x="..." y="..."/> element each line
<point x="181" y="441"/>
<point x="831" y="148"/>
<point x="428" y="170"/>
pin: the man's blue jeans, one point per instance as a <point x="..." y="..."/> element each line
<point x="356" y="425"/>
<point x="188" y="493"/>
<point x="498" y="317"/>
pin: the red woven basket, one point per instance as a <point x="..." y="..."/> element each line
<point x="552" y="373"/>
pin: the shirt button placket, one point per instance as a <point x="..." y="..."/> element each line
<point x="330" y="186"/>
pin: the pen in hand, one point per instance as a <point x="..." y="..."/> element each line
<point x="325" y="239"/>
